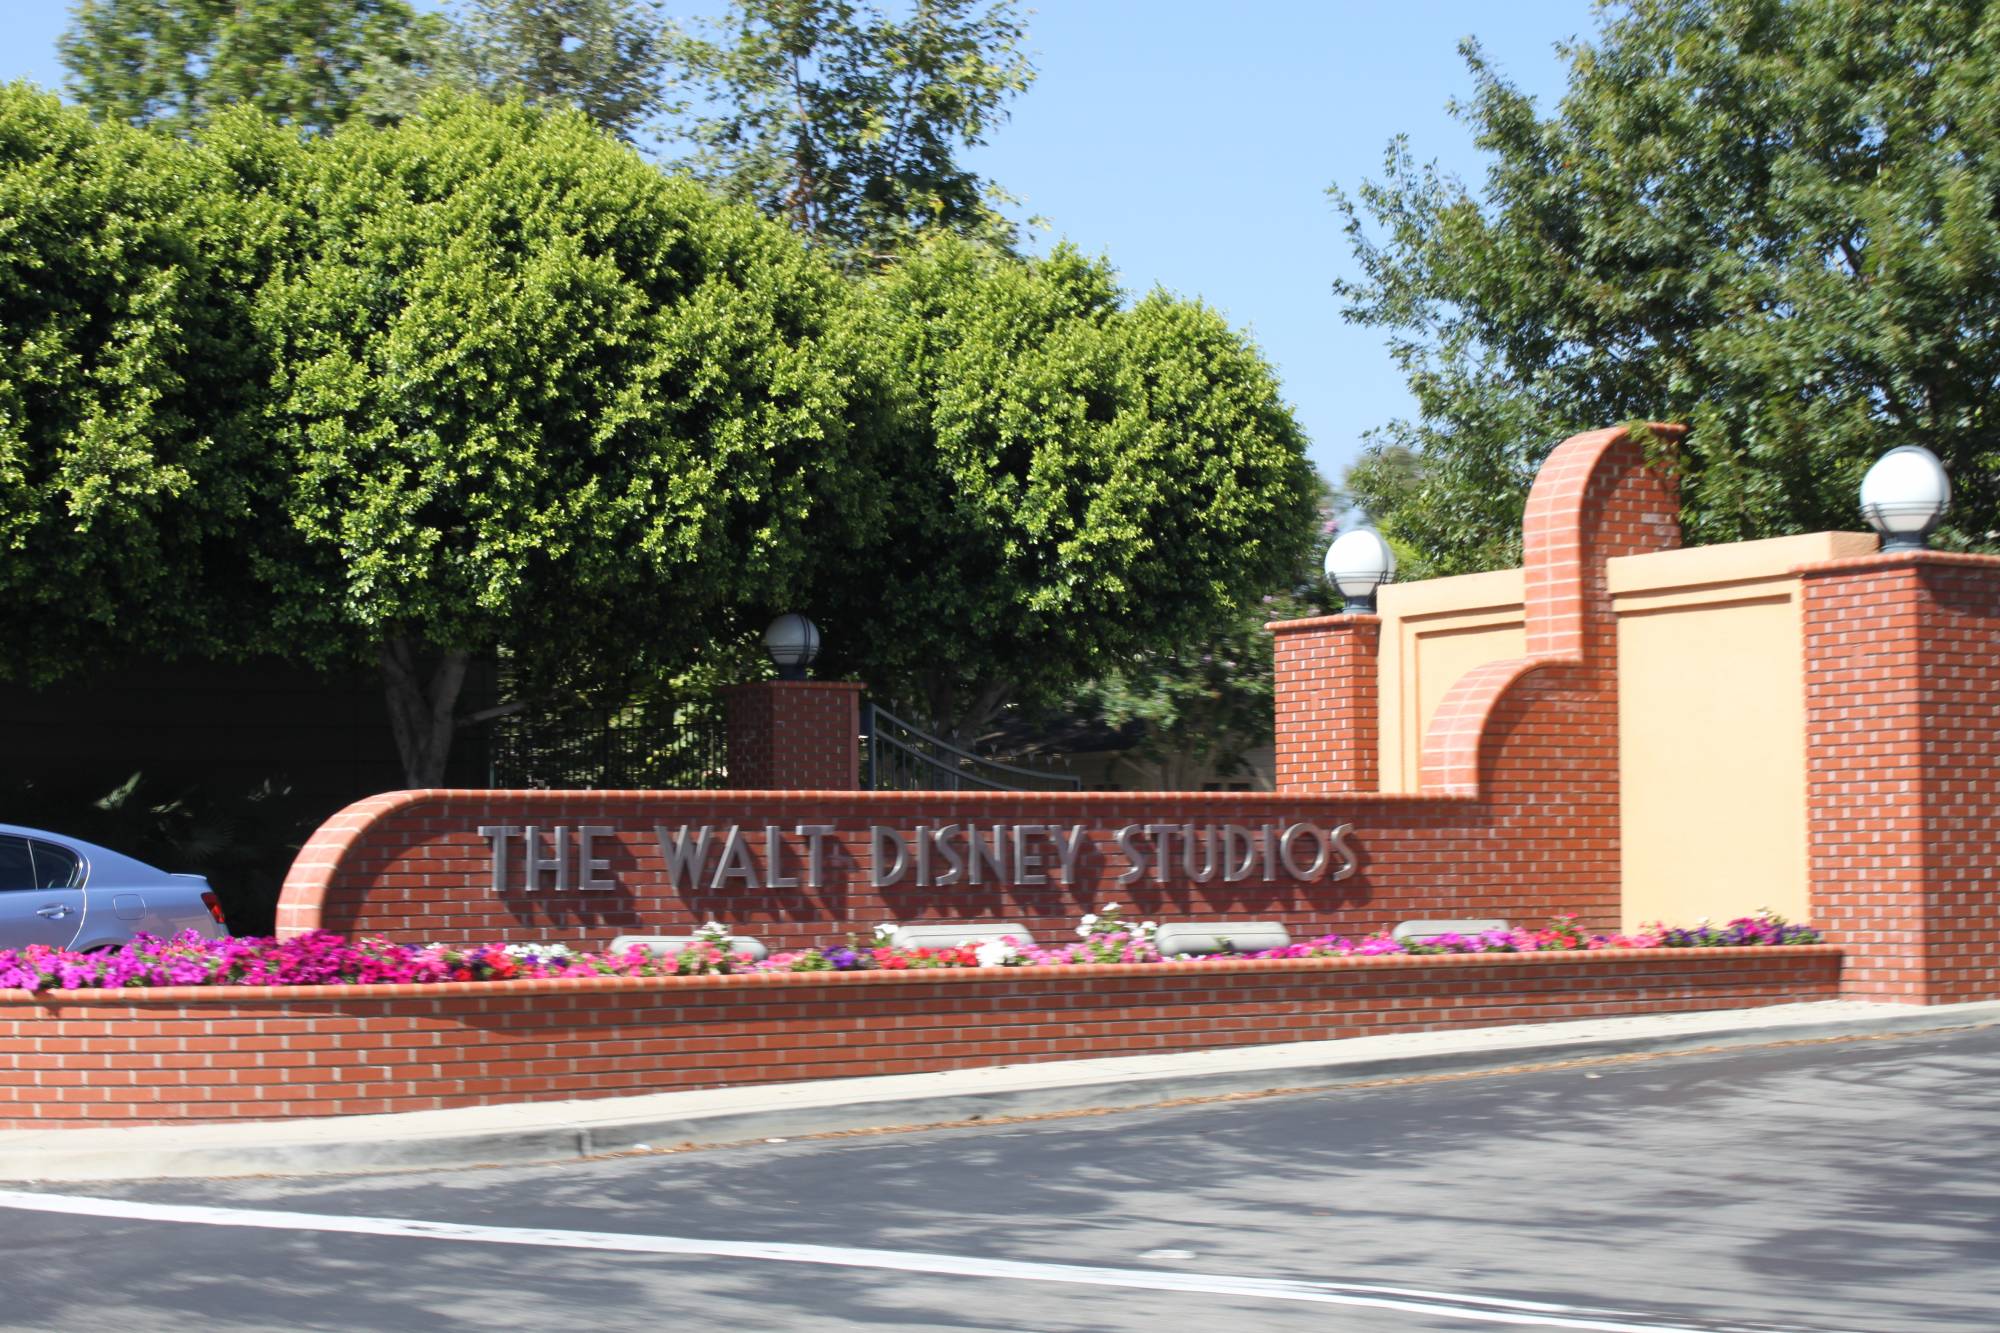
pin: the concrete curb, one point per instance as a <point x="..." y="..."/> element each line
<point x="566" y="1131"/>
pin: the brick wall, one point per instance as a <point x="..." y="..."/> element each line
<point x="1327" y="703"/>
<point x="794" y="735"/>
<point x="178" y="1055"/>
<point x="1903" y="770"/>
<point x="1519" y="820"/>
<point x="413" y="866"/>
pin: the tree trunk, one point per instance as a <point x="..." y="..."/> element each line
<point x="958" y="720"/>
<point x="421" y="707"/>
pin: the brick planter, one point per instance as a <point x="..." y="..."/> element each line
<point x="180" y="1054"/>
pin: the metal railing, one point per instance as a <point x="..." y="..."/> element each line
<point x="639" y="747"/>
<point x="903" y="757"/>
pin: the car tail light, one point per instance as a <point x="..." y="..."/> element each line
<point x="214" y="906"/>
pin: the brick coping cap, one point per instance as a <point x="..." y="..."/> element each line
<point x="855" y="685"/>
<point x="1358" y="619"/>
<point x="156" y="996"/>
<point x="1896" y="559"/>
<point x="393" y="802"/>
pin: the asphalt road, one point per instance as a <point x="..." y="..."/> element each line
<point x="1851" y="1185"/>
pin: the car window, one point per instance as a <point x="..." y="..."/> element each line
<point x="55" y="867"/>
<point x="17" y="868"/>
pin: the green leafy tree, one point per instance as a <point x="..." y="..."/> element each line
<point x="610" y="59"/>
<point x="1386" y="478"/>
<point x="1197" y="710"/>
<point x="1772" y="219"/>
<point x="1069" y="481"/>
<point x="851" y="124"/>
<point x="130" y="387"/>
<point x="530" y="392"/>
<point x="313" y="64"/>
<point x="1203" y="708"/>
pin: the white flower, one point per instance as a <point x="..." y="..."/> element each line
<point x="886" y="932"/>
<point x="536" y="950"/>
<point x="1149" y="927"/>
<point x="995" y="953"/>
<point x="1108" y="907"/>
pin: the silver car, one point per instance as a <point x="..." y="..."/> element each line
<point x="76" y="895"/>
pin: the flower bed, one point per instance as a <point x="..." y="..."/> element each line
<point x="179" y="1054"/>
<point x="324" y="959"/>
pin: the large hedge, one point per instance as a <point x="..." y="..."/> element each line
<point x="486" y="383"/>
<point x="130" y="387"/>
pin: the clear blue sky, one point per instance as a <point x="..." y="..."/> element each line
<point x="1192" y="142"/>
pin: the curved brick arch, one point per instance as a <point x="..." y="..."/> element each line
<point x="1464" y="719"/>
<point x="302" y="898"/>
<point x="1595" y="497"/>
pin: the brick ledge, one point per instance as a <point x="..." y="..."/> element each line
<point x="177" y="995"/>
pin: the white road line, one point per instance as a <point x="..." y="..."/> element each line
<point x="1445" y="1305"/>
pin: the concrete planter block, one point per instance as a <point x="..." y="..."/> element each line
<point x="1430" y="930"/>
<point x="951" y="934"/>
<point x="666" y="944"/>
<point x="1200" y="937"/>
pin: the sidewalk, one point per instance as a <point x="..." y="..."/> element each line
<point x="560" y="1131"/>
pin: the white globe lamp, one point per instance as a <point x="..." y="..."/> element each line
<point x="1359" y="562"/>
<point x="793" y="643"/>
<point x="1904" y="497"/>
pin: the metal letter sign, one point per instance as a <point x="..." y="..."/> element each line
<point x="566" y="858"/>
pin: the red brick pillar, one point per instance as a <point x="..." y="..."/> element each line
<point x="1327" y="703"/>
<point x="795" y="735"/>
<point x="1902" y="662"/>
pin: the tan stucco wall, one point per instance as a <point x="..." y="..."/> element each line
<point x="1711" y="702"/>
<point x="1711" y="711"/>
<point x="1432" y="633"/>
